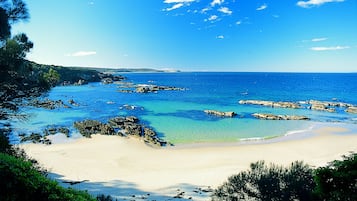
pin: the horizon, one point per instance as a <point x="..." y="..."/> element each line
<point x="195" y="36"/>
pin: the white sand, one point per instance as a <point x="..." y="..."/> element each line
<point x="123" y="167"/>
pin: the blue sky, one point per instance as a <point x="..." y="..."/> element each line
<point x="195" y="35"/>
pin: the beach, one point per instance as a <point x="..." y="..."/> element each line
<point x="127" y="168"/>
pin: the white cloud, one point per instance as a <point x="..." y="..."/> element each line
<point x="220" y="37"/>
<point x="175" y="6"/>
<point x="318" y="39"/>
<point x="262" y="7"/>
<point x="82" y="54"/>
<point x="329" y="48"/>
<point x="216" y="2"/>
<point x="178" y="1"/>
<point x="239" y="22"/>
<point x="213" y="17"/>
<point x="225" y="10"/>
<point x="312" y="3"/>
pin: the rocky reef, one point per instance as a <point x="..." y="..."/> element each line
<point x="121" y="126"/>
<point x="279" y="117"/>
<point x="220" y="113"/>
<point x="271" y="103"/>
<point x="325" y="106"/>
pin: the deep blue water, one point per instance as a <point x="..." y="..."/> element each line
<point x="178" y="115"/>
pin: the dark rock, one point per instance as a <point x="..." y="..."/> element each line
<point x="219" y="113"/>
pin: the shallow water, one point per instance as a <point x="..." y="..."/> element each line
<point x="178" y="116"/>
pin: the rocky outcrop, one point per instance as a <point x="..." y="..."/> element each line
<point x="352" y="109"/>
<point x="107" y="78"/>
<point x="90" y="127"/>
<point x="121" y="126"/>
<point x="55" y="130"/>
<point x="155" y="88"/>
<point x="48" y="104"/>
<point x="271" y="103"/>
<point x="329" y="103"/>
<point x="279" y="117"/>
<point x="35" y="138"/>
<point x="220" y="114"/>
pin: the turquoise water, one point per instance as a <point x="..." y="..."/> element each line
<point x="178" y="116"/>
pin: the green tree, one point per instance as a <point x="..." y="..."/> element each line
<point x="338" y="180"/>
<point x="14" y="51"/>
<point x="4" y="25"/>
<point x="51" y="78"/>
<point x="21" y="181"/>
<point x="265" y="183"/>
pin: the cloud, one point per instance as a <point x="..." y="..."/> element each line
<point x="312" y="3"/>
<point x="262" y="7"/>
<point x="318" y="39"/>
<point x="82" y="54"/>
<point x="225" y="10"/>
<point x="216" y="2"/>
<point x="239" y="22"/>
<point x="175" y="6"/>
<point x="212" y="17"/>
<point x="178" y="1"/>
<point x="333" y="48"/>
<point x="220" y="37"/>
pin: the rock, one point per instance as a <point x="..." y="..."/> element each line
<point x="72" y="102"/>
<point x="88" y="127"/>
<point x="107" y="80"/>
<point x="142" y="89"/>
<point x="48" y="104"/>
<point x="80" y="82"/>
<point x="279" y="117"/>
<point x="321" y="107"/>
<point x="219" y="113"/>
<point x="329" y="103"/>
<point x="280" y="104"/>
<point x="352" y="109"/>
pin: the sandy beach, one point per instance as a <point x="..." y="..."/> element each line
<point x="127" y="168"/>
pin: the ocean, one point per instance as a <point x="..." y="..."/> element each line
<point x="178" y="117"/>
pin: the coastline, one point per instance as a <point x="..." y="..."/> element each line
<point x="127" y="167"/>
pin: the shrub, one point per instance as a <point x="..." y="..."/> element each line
<point x="272" y="182"/>
<point x="21" y="181"/>
<point x="338" y="180"/>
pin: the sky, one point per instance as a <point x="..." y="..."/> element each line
<point x="195" y="35"/>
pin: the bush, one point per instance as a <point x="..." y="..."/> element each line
<point x="20" y="180"/>
<point x="338" y="180"/>
<point x="272" y="182"/>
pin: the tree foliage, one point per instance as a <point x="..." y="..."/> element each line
<point x="51" y="78"/>
<point x="21" y="181"/>
<point x="338" y="180"/>
<point x="265" y="183"/>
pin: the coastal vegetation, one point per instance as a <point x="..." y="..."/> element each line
<point x="299" y="181"/>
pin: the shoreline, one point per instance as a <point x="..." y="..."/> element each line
<point x="117" y="164"/>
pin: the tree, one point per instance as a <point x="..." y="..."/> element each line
<point x="4" y="25"/>
<point x="265" y="183"/>
<point x="14" y="51"/>
<point x="51" y="78"/>
<point x="16" y="10"/>
<point x="338" y="180"/>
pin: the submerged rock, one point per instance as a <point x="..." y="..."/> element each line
<point x="279" y="117"/>
<point x="219" y="113"/>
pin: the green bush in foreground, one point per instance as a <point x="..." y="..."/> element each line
<point x="21" y="181"/>
<point x="272" y="182"/>
<point x="338" y="180"/>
